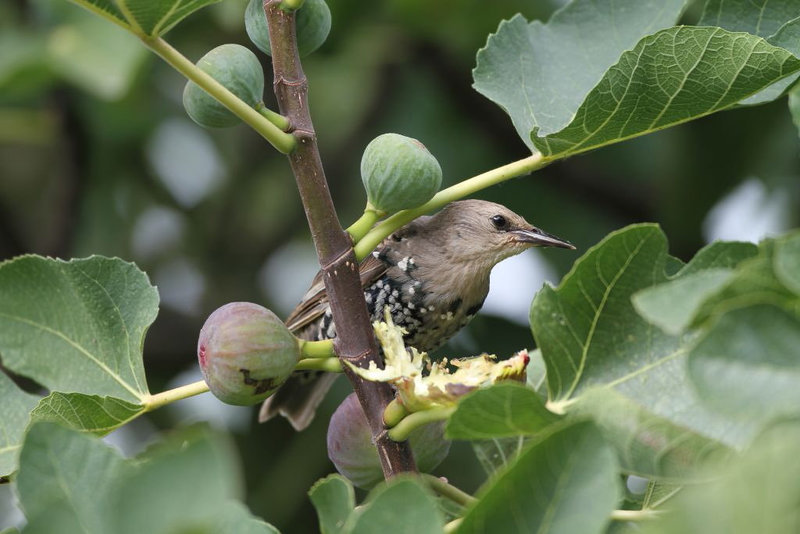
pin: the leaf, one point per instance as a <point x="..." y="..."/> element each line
<point x="400" y="505"/>
<point x="334" y="499"/>
<point x="145" y="17"/>
<point x="503" y="410"/>
<point x="77" y="326"/>
<point x="591" y="338"/>
<point x="64" y="477"/>
<point x="566" y="482"/>
<point x="670" y="77"/>
<point x="15" y="407"/>
<point x="73" y="482"/>
<point x="494" y="454"/>
<point x="671" y="305"/>
<point x="757" y="493"/>
<point x="777" y="22"/>
<point x="748" y="363"/>
<point x="540" y="73"/>
<point x="787" y="262"/>
<point x="89" y="413"/>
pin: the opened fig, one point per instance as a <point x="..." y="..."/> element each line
<point x="236" y="68"/>
<point x="352" y="451"/>
<point x="399" y="173"/>
<point x="313" y="23"/>
<point x="245" y="353"/>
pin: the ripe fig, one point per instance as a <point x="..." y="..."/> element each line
<point x="236" y="68"/>
<point x="352" y="451"/>
<point x="312" y="23"/>
<point x="399" y="173"/>
<point x="245" y="353"/>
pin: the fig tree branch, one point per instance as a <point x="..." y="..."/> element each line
<point x="355" y="341"/>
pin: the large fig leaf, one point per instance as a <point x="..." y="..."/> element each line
<point x="145" y="17"/>
<point x="540" y="73"/>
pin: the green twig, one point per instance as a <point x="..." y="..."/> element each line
<point x="158" y="400"/>
<point x="359" y="229"/>
<point x="330" y="365"/>
<point x="394" y="413"/>
<point x="401" y="431"/>
<point x="291" y="5"/>
<point x="317" y="349"/>
<point x="273" y="116"/>
<point x="452" y="526"/>
<point x="281" y="140"/>
<point x="445" y="489"/>
<point x="460" y="190"/>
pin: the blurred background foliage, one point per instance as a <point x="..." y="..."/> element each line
<point x="98" y="157"/>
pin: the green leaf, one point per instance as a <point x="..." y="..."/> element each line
<point x="540" y="73"/>
<point x="77" y="326"/>
<point x="89" y="413"/>
<point x="759" y="17"/>
<point x="748" y="363"/>
<point x="672" y="305"/>
<point x="758" y="493"/>
<point x="334" y="499"/>
<point x="400" y="505"/>
<point x="145" y="17"/>
<point x="73" y="482"/>
<point x="494" y="454"/>
<point x="777" y="22"/>
<point x="15" y="407"/>
<point x="65" y="477"/>
<point x="591" y="338"/>
<point x="787" y="262"/>
<point x="670" y="77"/>
<point x="565" y="482"/>
<point x="503" y="410"/>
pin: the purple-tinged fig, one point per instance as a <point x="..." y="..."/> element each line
<point x="399" y="173"/>
<point x="245" y="353"/>
<point x="352" y="451"/>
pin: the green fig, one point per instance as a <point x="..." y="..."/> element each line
<point x="399" y="173"/>
<point x="313" y="23"/>
<point x="245" y="353"/>
<point x="236" y="68"/>
<point x="354" y="455"/>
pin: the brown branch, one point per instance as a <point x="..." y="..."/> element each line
<point x="355" y="341"/>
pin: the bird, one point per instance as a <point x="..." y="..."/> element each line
<point x="432" y="274"/>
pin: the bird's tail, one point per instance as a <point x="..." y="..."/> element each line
<point x="298" y="398"/>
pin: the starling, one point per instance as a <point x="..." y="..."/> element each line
<point x="433" y="274"/>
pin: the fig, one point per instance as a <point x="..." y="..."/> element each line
<point x="352" y="451"/>
<point x="245" y="353"/>
<point x="312" y="24"/>
<point x="236" y="68"/>
<point x="399" y="173"/>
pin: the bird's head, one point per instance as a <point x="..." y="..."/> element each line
<point x="486" y="232"/>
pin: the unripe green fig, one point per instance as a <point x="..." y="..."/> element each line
<point x="245" y="353"/>
<point x="312" y="23"/>
<point x="399" y="173"/>
<point x="352" y="451"/>
<point x="236" y="68"/>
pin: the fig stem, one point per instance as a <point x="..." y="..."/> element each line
<point x="359" y="229"/>
<point x="152" y="402"/>
<point x="634" y="515"/>
<point x="330" y="365"/>
<point x="394" y="413"/>
<point x="317" y="349"/>
<point x="282" y="141"/>
<point x="291" y="5"/>
<point x="452" y="526"/>
<point x="273" y="116"/>
<point x="460" y="190"/>
<point x="445" y="489"/>
<point x="403" y="428"/>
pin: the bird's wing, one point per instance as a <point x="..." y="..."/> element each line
<point x="315" y="302"/>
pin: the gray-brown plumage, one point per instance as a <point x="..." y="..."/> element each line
<point x="433" y="274"/>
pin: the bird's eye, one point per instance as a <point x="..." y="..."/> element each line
<point x="499" y="221"/>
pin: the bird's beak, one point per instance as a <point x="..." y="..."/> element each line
<point x="538" y="238"/>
